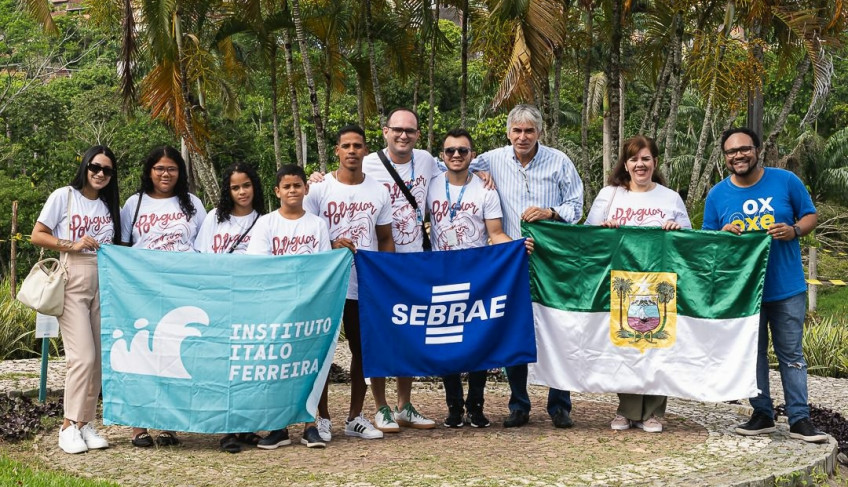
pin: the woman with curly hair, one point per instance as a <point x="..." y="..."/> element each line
<point x="162" y="215"/>
<point x="226" y="229"/>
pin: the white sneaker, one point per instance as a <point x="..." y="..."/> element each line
<point x="92" y="440"/>
<point x="410" y="418"/>
<point x="70" y="440"/>
<point x="324" y="428"/>
<point x="362" y="428"/>
<point x="620" y="423"/>
<point x="385" y="420"/>
<point x="650" y="425"/>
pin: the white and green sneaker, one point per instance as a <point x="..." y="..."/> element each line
<point x="410" y="418"/>
<point x="384" y="421"/>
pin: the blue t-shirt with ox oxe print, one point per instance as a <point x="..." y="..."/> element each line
<point x="778" y="197"/>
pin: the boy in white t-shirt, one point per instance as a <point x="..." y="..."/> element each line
<point x="464" y="214"/>
<point x="287" y="231"/>
<point x="358" y="212"/>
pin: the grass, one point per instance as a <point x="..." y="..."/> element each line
<point x="13" y="472"/>
<point x="17" y="329"/>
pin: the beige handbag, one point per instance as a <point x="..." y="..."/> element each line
<point x="44" y="288"/>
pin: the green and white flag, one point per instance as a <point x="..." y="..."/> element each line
<point x="647" y="311"/>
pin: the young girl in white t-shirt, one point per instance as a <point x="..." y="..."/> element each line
<point x="227" y="229"/>
<point x="75" y="221"/>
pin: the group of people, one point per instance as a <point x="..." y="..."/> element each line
<point x="379" y="201"/>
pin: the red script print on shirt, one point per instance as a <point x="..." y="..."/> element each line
<point x="299" y="244"/>
<point x="638" y="215"/>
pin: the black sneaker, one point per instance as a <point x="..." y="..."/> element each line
<point x="274" y="440"/>
<point x="477" y="419"/>
<point x="516" y="418"/>
<point x="759" y="424"/>
<point x="803" y="429"/>
<point x="454" y="419"/>
<point x="312" y="439"/>
<point x="561" y="419"/>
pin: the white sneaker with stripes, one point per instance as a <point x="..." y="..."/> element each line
<point x="362" y="428"/>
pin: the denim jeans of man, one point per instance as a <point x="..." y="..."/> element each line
<point x="519" y="399"/>
<point x="785" y="319"/>
<point x="476" y="387"/>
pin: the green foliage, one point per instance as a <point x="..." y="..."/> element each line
<point x="17" y="329"/>
<point x="825" y="346"/>
<point x="16" y="473"/>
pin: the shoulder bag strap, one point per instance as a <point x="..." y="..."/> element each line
<point x="135" y="216"/>
<point x="609" y="204"/>
<point x="408" y="194"/>
<point x="241" y="237"/>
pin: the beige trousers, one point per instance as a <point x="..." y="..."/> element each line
<point x="80" y="325"/>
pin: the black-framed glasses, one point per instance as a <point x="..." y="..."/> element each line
<point x="160" y="170"/>
<point x="744" y="150"/>
<point x="401" y="130"/>
<point x="463" y="151"/>
<point x="97" y="169"/>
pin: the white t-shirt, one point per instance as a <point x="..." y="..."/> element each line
<point x="275" y="234"/>
<point x="161" y="223"/>
<point x="478" y="204"/>
<point x="88" y="217"/>
<point x="218" y="238"/>
<point x="406" y="228"/>
<point x="648" y="209"/>
<point x="351" y="211"/>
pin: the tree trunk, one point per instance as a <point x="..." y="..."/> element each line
<point x="589" y="187"/>
<point x="310" y="83"/>
<point x="378" y="98"/>
<point x="463" y="86"/>
<point x="272" y="61"/>
<point x="297" y="133"/>
<point x="693" y="195"/>
<point x="554" y="127"/>
<point x="360" y="103"/>
<point x="607" y="146"/>
<point x="716" y="158"/>
<point x="677" y="87"/>
<point x="614" y="78"/>
<point x="769" y="155"/>
<point x="651" y="120"/>
<point x="431" y="116"/>
<point x="755" y="95"/>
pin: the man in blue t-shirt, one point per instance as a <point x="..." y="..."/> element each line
<point x="758" y="198"/>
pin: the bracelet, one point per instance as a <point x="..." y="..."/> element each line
<point x="64" y="244"/>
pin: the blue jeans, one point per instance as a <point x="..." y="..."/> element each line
<point x="519" y="400"/>
<point x="476" y="386"/>
<point x="785" y="318"/>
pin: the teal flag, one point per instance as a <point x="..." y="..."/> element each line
<point x="217" y="343"/>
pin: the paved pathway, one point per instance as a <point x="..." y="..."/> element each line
<point x="698" y="448"/>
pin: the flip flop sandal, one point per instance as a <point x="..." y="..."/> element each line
<point x="167" y="439"/>
<point x="143" y="440"/>
<point x="249" y="438"/>
<point x="230" y="444"/>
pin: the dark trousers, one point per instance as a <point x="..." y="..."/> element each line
<point x="476" y="386"/>
<point x="519" y="399"/>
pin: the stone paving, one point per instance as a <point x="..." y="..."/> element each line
<point x="713" y="456"/>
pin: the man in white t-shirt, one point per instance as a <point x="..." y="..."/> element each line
<point x="415" y="168"/>
<point x="463" y="214"/>
<point x="358" y="214"/>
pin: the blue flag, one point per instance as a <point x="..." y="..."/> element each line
<point x="217" y="343"/>
<point x="439" y="313"/>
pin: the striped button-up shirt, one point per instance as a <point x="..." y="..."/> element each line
<point x="549" y="180"/>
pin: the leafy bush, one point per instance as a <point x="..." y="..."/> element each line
<point x="21" y="417"/>
<point x="825" y="347"/>
<point x="17" y="329"/>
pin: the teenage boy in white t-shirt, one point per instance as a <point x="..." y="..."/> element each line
<point x="287" y="231"/>
<point x="358" y="212"/>
<point x="463" y="215"/>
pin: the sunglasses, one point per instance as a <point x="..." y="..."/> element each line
<point x="463" y="151"/>
<point x="97" y="169"/>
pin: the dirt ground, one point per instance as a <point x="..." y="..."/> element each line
<point x="441" y="456"/>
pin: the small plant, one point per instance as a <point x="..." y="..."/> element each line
<point x="20" y="417"/>
<point x="17" y="329"/>
<point x="825" y="347"/>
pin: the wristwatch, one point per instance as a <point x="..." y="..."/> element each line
<point x="797" y="231"/>
<point x="554" y="215"/>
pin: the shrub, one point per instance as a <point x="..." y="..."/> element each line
<point x="825" y="347"/>
<point x="17" y="329"/>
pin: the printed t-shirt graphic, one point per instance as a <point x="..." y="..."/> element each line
<point x="88" y="217"/>
<point x="647" y="209"/>
<point x="476" y="205"/>
<point x="161" y="223"/>
<point x="218" y="238"/>
<point x="274" y="234"/>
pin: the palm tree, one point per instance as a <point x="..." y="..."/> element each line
<point x="622" y="287"/>
<point x="665" y="293"/>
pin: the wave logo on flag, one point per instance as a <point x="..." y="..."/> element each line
<point x="446" y="322"/>
<point x="162" y="358"/>
<point x="643" y="309"/>
<point x="440" y="313"/>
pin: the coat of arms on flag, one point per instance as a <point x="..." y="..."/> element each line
<point x="643" y="309"/>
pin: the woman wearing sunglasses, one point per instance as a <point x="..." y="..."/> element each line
<point x="75" y="221"/>
<point x="162" y="215"/>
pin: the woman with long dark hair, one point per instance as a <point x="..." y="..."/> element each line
<point x="226" y="228"/>
<point x="75" y="221"/>
<point x="162" y="215"/>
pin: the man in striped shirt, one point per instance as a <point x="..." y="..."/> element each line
<point x="534" y="182"/>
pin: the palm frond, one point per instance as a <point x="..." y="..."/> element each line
<point x="41" y="11"/>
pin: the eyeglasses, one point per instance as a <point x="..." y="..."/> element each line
<point x="160" y="170"/>
<point x="463" y="151"/>
<point x="97" y="169"/>
<point x="401" y="130"/>
<point x="744" y="150"/>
